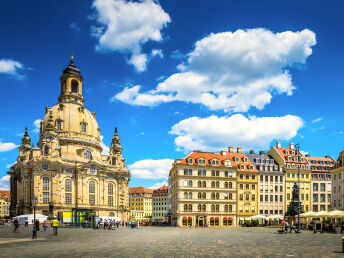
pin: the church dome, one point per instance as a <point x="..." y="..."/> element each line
<point x="72" y="120"/>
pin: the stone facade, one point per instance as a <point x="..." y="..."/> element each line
<point x="203" y="190"/>
<point x="337" y="183"/>
<point x="67" y="169"/>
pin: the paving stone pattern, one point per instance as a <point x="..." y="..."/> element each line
<point x="169" y="242"/>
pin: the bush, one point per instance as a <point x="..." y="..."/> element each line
<point x="255" y="222"/>
<point x="247" y="223"/>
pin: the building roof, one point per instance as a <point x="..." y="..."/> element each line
<point x="140" y="190"/>
<point x="162" y="191"/>
<point x="318" y="167"/>
<point x="287" y="152"/>
<point x="263" y="162"/>
<point x="5" y="195"/>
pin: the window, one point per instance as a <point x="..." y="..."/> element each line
<point x="253" y="177"/>
<point x="92" y="191"/>
<point x="190" y="172"/>
<point x="217" y="184"/>
<point x="45" y="184"/>
<point x="315" y="197"/>
<point x="87" y="154"/>
<point x="83" y="127"/>
<point x="213" y="184"/>
<point x="241" y="186"/>
<point x="190" y="183"/>
<point x="110" y="194"/>
<point x="322" y="197"/>
<point x="45" y="166"/>
<point x="68" y="186"/>
<point x="288" y="196"/>
<point x="185" y="172"/>
<point x="240" y="197"/>
<point x="45" y="197"/>
<point x="92" y="170"/>
<point x="247" y="187"/>
<point x="261" y="178"/>
<point x="58" y="124"/>
<point x="247" y="177"/>
<point x="185" y="207"/>
<point x="68" y="198"/>
<point x="204" y="184"/>
<point x="199" y="184"/>
<point x="315" y="187"/>
<point x="322" y="187"/>
<point x="230" y="185"/>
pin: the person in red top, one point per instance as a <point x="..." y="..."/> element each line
<point x="45" y="225"/>
<point x="283" y="225"/>
<point x="135" y="224"/>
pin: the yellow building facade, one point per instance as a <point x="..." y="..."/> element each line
<point x="140" y="203"/>
<point x="290" y="159"/>
<point x="67" y="171"/>
<point x="4" y="204"/>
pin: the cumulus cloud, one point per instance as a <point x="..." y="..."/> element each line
<point x="5" y="183"/>
<point x="12" y="68"/>
<point x="157" y="53"/>
<point x="151" y="169"/>
<point x="124" y="26"/>
<point x="215" y="133"/>
<point x="317" y="120"/>
<point x="232" y="71"/>
<point x="7" y="146"/>
<point x="159" y="184"/>
<point x="106" y="149"/>
<point x="37" y="124"/>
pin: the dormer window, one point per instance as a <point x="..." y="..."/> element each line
<point x="201" y="161"/>
<point x="302" y="159"/>
<point x="258" y="161"/>
<point x="236" y="159"/>
<point x="287" y="152"/>
<point x="215" y="162"/>
<point x="245" y="160"/>
<point x="296" y="159"/>
<point x="83" y="127"/>
<point x="251" y="167"/>
<point x="289" y="158"/>
<point x="293" y="153"/>
<point x="228" y="163"/>
<point x="190" y="161"/>
<point x="242" y="166"/>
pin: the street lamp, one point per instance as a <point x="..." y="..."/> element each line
<point x="34" y="204"/>
<point x="297" y="147"/>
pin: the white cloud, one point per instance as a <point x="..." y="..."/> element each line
<point x="159" y="184"/>
<point x="5" y="183"/>
<point x="317" y="129"/>
<point x="317" y="120"/>
<point x="304" y="153"/>
<point x="37" y="124"/>
<point x="124" y="26"/>
<point x="74" y="26"/>
<point x="106" y="149"/>
<point x="7" y="146"/>
<point x="215" y="133"/>
<point x="10" y="165"/>
<point x="232" y="71"/>
<point x="157" y="53"/>
<point x="151" y="169"/>
<point x="12" y="67"/>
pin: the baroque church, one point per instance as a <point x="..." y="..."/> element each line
<point x="67" y="172"/>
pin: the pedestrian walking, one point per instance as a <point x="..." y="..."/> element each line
<point x="26" y="223"/>
<point x="37" y="224"/>
<point x="16" y="225"/>
<point x="286" y="227"/>
<point x="292" y="227"/>
<point x="55" y="224"/>
<point x="45" y="226"/>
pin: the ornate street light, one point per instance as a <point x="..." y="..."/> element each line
<point x="297" y="147"/>
<point x="34" y="204"/>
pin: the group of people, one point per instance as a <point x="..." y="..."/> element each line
<point x="108" y="224"/>
<point x="288" y="226"/>
<point x="36" y="225"/>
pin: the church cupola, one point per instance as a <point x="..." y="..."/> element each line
<point x="71" y="84"/>
<point x="116" y="151"/>
<point x="26" y="140"/>
<point x="25" y="147"/>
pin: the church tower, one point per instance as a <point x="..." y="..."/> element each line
<point x="116" y="151"/>
<point x="25" y="147"/>
<point x="71" y="84"/>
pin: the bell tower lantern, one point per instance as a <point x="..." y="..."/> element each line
<point x="71" y="84"/>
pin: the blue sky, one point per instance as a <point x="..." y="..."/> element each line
<point x="174" y="76"/>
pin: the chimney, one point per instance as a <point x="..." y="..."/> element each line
<point x="307" y="155"/>
<point x="223" y="153"/>
<point x="291" y="145"/>
<point x="230" y="149"/>
<point x="251" y="151"/>
<point x="261" y="152"/>
<point x="278" y="145"/>
<point x="327" y="156"/>
<point x="239" y="150"/>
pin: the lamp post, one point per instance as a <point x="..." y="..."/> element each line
<point x="297" y="147"/>
<point x="34" y="203"/>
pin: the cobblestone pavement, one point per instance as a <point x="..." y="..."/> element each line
<point x="169" y="242"/>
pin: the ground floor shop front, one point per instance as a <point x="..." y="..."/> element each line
<point x="203" y="220"/>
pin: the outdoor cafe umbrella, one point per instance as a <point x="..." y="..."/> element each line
<point x="321" y="214"/>
<point x="309" y="214"/>
<point x="336" y="214"/>
<point x="258" y="217"/>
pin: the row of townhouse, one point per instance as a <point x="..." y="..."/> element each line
<point x="222" y="189"/>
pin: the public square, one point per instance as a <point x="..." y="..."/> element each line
<point x="168" y="242"/>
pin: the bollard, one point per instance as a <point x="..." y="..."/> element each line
<point x="343" y="244"/>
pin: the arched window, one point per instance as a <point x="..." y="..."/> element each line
<point x="110" y="194"/>
<point x="230" y="208"/>
<point x="58" y="124"/>
<point x="199" y="207"/>
<point x="217" y="196"/>
<point x="75" y="86"/>
<point x="217" y="208"/>
<point x="213" y="208"/>
<point x="199" y="183"/>
<point x="92" y="191"/>
<point x="185" y="207"/>
<point x="190" y="207"/>
<point x="213" y="184"/>
<point x="199" y="195"/>
<point x="87" y="154"/>
<point x="190" y="183"/>
<point x="204" y="207"/>
<point x="226" y="184"/>
<point x="204" y="184"/>
<point x="217" y="184"/>
<point x="230" y="196"/>
<point x="186" y="195"/>
<point x="226" y="208"/>
<point x="204" y="196"/>
<point x="46" y="150"/>
<point x="190" y="195"/>
<point x="213" y="196"/>
<point x="230" y="185"/>
<point x="111" y="214"/>
<point x="68" y="191"/>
